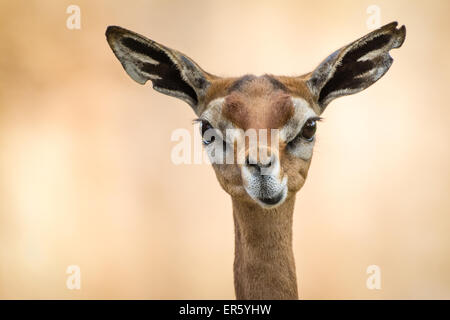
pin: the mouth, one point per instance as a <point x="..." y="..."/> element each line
<point x="266" y="190"/>
<point x="272" y="201"/>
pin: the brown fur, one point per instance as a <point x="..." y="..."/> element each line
<point x="264" y="265"/>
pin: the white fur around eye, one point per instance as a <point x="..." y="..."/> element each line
<point x="213" y="114"/>
<point x="300" y="148"/>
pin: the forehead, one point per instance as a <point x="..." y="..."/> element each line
<point x="257" y="102"/>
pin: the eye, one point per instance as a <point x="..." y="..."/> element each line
<point x="204" y="127"/>
<point x="309" y="129"/>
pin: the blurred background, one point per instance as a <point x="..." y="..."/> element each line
<point x="86" y="176"/>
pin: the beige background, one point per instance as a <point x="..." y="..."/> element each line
<point x="86" y="176"/>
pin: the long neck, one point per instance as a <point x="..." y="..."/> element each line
<point x="264" y="266"/>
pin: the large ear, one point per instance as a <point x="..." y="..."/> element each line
<point x="170" y="71"/>
<point x="355" y="66"/>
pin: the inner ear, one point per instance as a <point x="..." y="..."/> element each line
<point x="170" y="71"/>
<point x="357" y="65"/>
<point x="161" y="70"/>
<point x="346" y="74"/>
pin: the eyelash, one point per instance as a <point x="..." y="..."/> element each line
<point x="318" y="119"/>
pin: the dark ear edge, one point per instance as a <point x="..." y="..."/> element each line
<point x="170" y="71"/>
<point x="356" y="66"/>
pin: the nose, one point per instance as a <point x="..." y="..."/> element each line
<point x="261" y="165"/>
<point x="258" y="165"/>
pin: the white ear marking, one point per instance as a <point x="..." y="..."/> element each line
<point x="170" y="71"/>
<point x="355" y="66"/>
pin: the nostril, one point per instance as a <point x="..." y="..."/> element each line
<point x="255" y="166"/>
